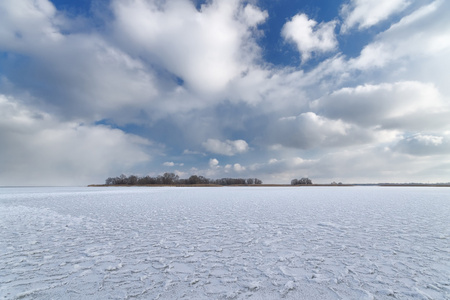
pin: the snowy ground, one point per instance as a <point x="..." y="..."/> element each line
<point x="225" y="243"/>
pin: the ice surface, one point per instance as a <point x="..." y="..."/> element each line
<point x="225" y="243"/>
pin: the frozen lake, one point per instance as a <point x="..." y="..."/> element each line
<point x="225" y="243"/>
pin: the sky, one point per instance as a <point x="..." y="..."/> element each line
<point x="352" y="91"/>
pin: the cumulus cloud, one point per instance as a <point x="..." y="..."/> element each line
<point x="367" y="13"/>
<point x="309" y="130"/>
<point x="238" y="168"/>
<point x="310" y="37"/>
<point x="38" y="149"/>
<point x="28" y="21"/>
<point x="228" y="147"/>
<point x="206" y="48"/>
<point x="253" y="16"/>
<point x="424" y="145"/>
<point x="213" y="163"/>
<point x="78" y="75"/>
<point x="389" y="105"/>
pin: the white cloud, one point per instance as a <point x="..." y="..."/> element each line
<point x="79" y="75"/>
<point x="253" y="15"/>
<point x="377" y="164"/>
<point x="181" y="174"/>
<point x="284" y="169"/>
<point x="26" y="21"/>
<point x="205" y="48"/>
<point x="424" y="145"/>
<point x="213" y="163"/>
<point x="367" y="13"/>
<point x="192" y="152"/>
<point x="360" y="164"/>
<point x="228" y="147"/>
<point x="403" y="105"/>
<point x="309" y="130"/>
<point x="172" y="164"/>
<point x="37" y="149"/>
<point x="238" y="168"/>
<point x="419" y="38"/>
<point x="429" y="139"/>
<point x="310" y="37"/>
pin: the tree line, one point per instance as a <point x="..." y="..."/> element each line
<point x="173" y="179"/>
<point x="301" y="181"/>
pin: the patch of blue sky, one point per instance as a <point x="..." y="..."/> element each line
<point x="78" y="7"/>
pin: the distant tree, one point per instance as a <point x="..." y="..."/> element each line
<point x="203" y="180"/>
<point x="194" y="179"/>
<point x="123" y="179"/>
<point x="132" y="180"/>
<point x="183" y="181"/>
<point x="169" y="178"/>
<point x="146" y="180"/>
<point x="305" y="181"/>
<point x="302" y="181"/>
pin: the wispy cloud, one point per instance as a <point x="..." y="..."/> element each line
<point x="367" y="13"/>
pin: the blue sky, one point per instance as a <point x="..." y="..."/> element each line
<point x="349" y="91"/>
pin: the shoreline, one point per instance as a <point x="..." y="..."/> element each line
<point x="277" y="185"/>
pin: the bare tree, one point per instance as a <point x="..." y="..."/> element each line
<point x="169" y="178"/>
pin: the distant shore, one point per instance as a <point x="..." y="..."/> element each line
<point x="280" y="185"/>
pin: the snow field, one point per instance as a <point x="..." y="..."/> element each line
<point x="225" y="243"/>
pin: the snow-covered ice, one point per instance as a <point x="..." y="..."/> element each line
<point x="225" y="243"/>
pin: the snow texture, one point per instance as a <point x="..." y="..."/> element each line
<point x="225" y="243"/>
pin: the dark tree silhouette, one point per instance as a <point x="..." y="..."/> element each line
<point x="302" y="181"/>
<point x="173" y="179"/>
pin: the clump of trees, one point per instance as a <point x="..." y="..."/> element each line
<point x="173" y="179"/>
<point x="302" y="181"/>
